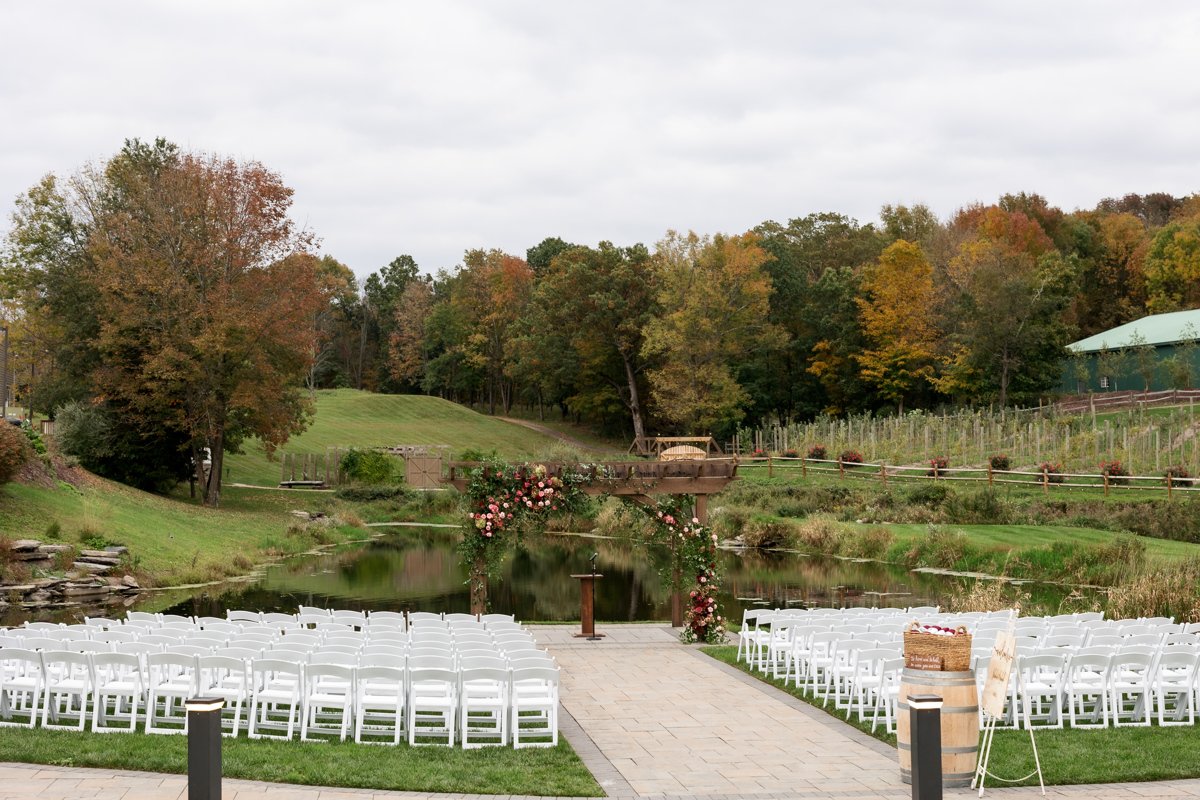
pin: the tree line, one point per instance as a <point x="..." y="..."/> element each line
<point x="163" y="305"/>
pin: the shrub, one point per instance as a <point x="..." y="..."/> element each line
<point x="977" y="508"/>
<point x="1000" y="461"/>
<point x="1117" y="473"/>
<point x="819" y="535"/>
<point x="758" y="454"/>
<point x="791" y="453"/>
<point x="938" y="465"/>
<point x="472" y="454"/>
<point x="14" y="452"/>
<point x="1178" y="475"/>
<point x="1169" y="591"/>
<point x="764" y="534"/>
<point x="53" y="531"/>
<point x="368" y="466"/>
<point x="872" y="541"/>
<point x="35" y="439"/>
<point x="984" y="595"/>
<point x="372" y="493"/>
<point x="818" y="452"/>
<point x="938" y="548"/>
<point x="850" y="458"/>
<point x="928" y="494"/>
<point x="1052" y="471"/>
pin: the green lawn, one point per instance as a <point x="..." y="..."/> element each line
<point x="171" y="540"/>
<point x="1111" y="755"/>
<point x="492" y="770"/>
<point x="346" y="417"/>
<point x="1004" y="537"/>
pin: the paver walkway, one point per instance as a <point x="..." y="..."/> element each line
<point x="654" y="719"/>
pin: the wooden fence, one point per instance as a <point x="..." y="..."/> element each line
<point x="312" y="469"/>
<point x="1109" y="401"/>
<point x="1045" y="480"/>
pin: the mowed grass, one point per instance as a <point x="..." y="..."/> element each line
<point x="350" y="418"/>
<point x="171" y="540"/>
<point x="1110" y="755"/>
<point x="1007" y="537"/>
<point x="492" y="770"/>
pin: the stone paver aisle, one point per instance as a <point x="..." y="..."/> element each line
<point x="677" y="723"/>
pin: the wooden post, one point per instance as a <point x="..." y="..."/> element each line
<point x="804" y="465"/>
<point x="883" y="472"/>
<point x="1168" y="485"/>
<point x="283" y="465"/>
<point x="1045" y="481"/>
<point x="989" y="463"/>
<point x="841" y="468"/>
<point x="1105" y="476"/>
<point x="479" y="586"/>
<point x="770" y="465"/>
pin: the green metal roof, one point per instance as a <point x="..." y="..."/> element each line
<point x="1155" y="329"/>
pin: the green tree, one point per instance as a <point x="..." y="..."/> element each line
<point x="715" y="300"/>
<point x="1173" y="268"/>
<point x="1144" y="357"/>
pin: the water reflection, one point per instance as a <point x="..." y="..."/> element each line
<point x="418" y="569"/>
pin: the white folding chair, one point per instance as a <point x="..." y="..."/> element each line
<point x="1175" y="686"/>
<point x="276" y="684"/>
<point x="483" y="703"/>
<point x="328" y="701"/>
<point x="1040" y="689"/>
<point x="379" y="704"/>
<point x="432" y="704"/>
<point x="1131" y="684"/>
<point x="534" y="707"/>
<point x="69" y="682"/>
<point x="171" y="678"/>
<point x="1087" y="692"/>
<point x="22" y="682"/>
<point x="225" y="674"/>
<point x="119" y="690"/>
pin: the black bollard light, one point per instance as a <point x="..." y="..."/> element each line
<point x="925" y="723"/>
<point x="204" y="747"/>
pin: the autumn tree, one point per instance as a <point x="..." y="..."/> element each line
<point x="714" y="294"/>
<point x="895" y="309"/>
<point x="408" y="351"/>
<point x="207" y="301"/>
<point x="1173" y="267"/>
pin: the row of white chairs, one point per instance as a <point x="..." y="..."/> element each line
<point x="478" y="699"/>
<point x="1123" y="671"/>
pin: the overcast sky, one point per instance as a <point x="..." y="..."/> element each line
<point x="429" y="128"/>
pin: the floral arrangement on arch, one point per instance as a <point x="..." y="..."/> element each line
<point x="697" y="556"/>
<point x="506" y="497"/>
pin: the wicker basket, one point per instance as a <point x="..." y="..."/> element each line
<point x="929" y="651"/>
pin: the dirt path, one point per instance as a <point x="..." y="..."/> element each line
<point x="562" y="437"/>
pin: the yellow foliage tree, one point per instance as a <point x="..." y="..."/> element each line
<point x="897" y="321"/>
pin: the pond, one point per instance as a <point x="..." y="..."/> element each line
<point x="418" y="568"/>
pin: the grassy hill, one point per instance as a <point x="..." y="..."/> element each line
<point x="346" y="417"/>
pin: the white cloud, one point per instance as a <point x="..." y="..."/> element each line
<point x="429" y="128"/>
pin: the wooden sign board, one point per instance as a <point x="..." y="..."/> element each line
<point x="922" y="661"/>
<point x="995" y="689"/>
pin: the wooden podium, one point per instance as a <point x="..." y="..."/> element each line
<point x="587" y="605"/>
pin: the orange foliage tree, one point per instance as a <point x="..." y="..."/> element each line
<point x="207" y="299"/>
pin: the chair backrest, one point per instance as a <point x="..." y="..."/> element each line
<point x="171" y="618"/>
<point x="160" y="662"/>
<point x="349" y="638"/>
<point x="327" y="657"/>
<point x="336" y="648"/>
<point x="380" y="675"/>
<point x="139" y="648"/>
<point x="548" y="675"/>
<point x="189" y="649"/>
<point x="204" y="622"/>
<point x="430" y="661"/>
<point x="385" y="616"/>
<point x="493" y="618"/>
<point x="222" y="664"/>
<point x="275" y="666"/>
<point x="386" y="635"/>
<point x="126" y="635"/>
<point x="423" y="617"/>
<point x="499" y="675"/>
<point x="384" y="650"/>
<point x="1042" y="661"/>
<point x="312" y="611"/>
<point x="243" y="616"/>
<point x="276" y="618"/>
<point x="1088" y="663"/>
<point x="377" y="659"/>
<point x="427" y="675"/>
<point x="100" y="622"/>
<point x="466" y="662"/>
<point x="208" y="637"/>
<point x="160" y="640"/>
<point x="39" y="643"/>
<point x="142" y="616"/>
<point x="128" y="662"/>
<point x="534" y="662"/>
<point x="44" y="626"/>
<point x="85" y="646"/>
<point x="298" y="639"/>
<point x="76" y="663"/>
<point x="356" y="617"/>
<point x="241" y="653"/>
<point x="1146" y="639"/>
<point x="314" y="672"/>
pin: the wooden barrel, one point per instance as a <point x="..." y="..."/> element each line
<point x="960" y="722"/>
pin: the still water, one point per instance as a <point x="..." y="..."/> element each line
<point x="418" y="569"/>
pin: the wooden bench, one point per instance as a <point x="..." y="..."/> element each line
<point x="302" y="484"/>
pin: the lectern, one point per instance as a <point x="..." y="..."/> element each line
<point x="587" y="605"/>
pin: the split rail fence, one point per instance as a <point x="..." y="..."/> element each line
<point x="884" y="473"/>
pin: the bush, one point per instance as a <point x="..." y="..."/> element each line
<point x="1117" y="473"/>
<point x="372" y="493"/>
<point x="928" y="494"/>
<point x="1169" y="591"/>
<point x="790" y="453"/>
<point x="818" y="452"/>
<point x="368" y="467"/>
<point x="1052" y="472"/>
<point x="766" y="534"/>
<point x="938" y="465"/>
<point x="819" y="535"/>
<point x="1000" y="461"/>
<point x="850" y="458"/>
<point x="938" y="548"/>
<point x="758" y="454"/>
<point x="977" y="508"/>
<point x="1178" y="475"/>
<point x="35" y="439"/>
<point x="872" y="541"/>
<point x="14" y="452"/>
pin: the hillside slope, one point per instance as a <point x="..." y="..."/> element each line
<point x="347" y="417"/>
